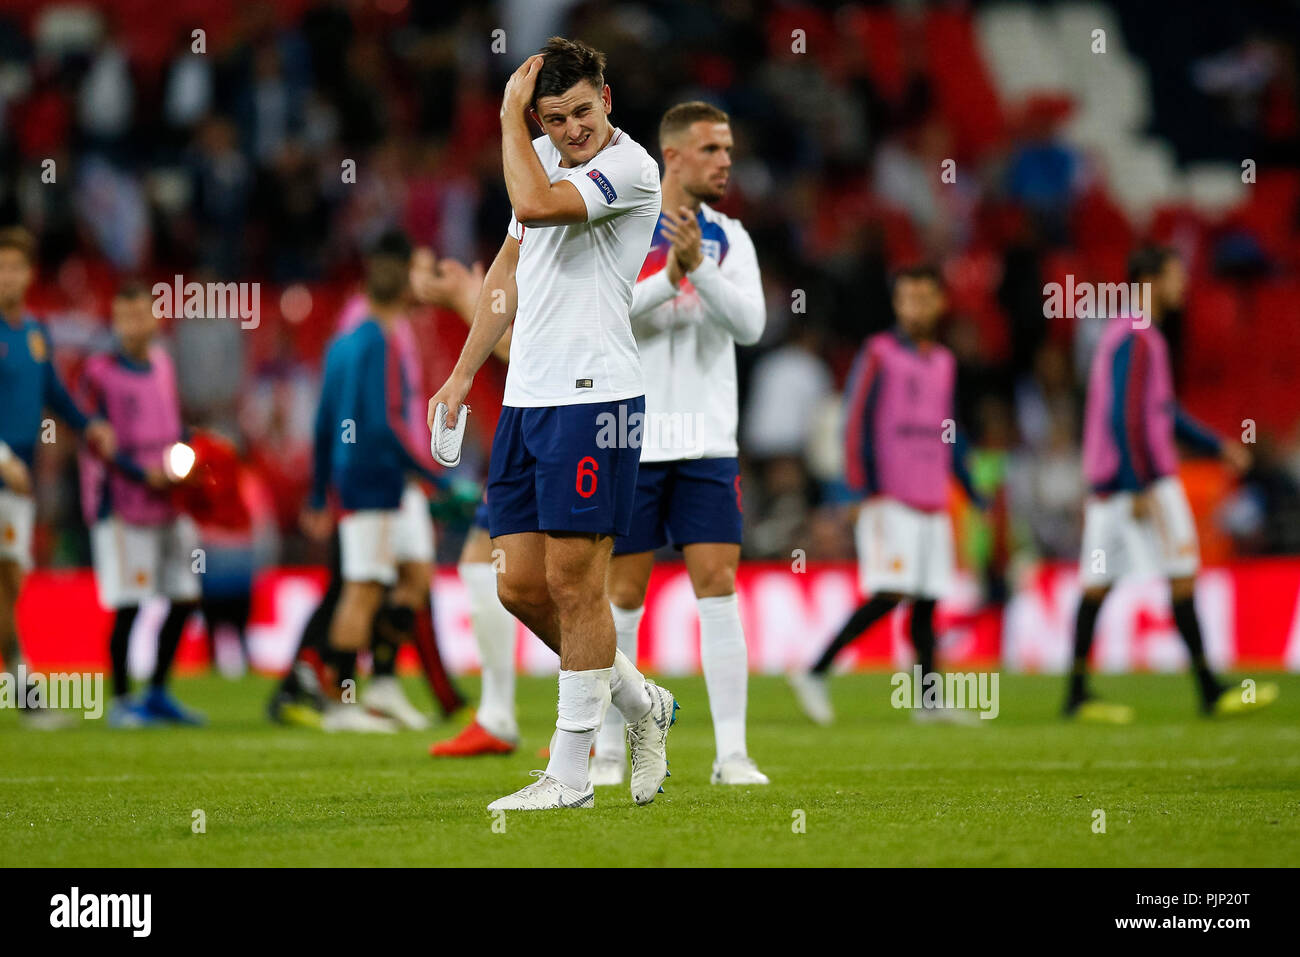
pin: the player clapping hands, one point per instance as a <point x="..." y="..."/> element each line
<point x="687" y="251"/>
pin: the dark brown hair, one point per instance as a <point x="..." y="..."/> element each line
<point x="681" y="116"/>
<point x="565" y="63"/>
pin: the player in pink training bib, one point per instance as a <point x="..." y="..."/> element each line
<point x="1136" y="520"/>
<point x="141" y="545"/>
<point x="901" y="446"/>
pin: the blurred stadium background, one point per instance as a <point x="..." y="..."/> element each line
<point x="225" y="166"/>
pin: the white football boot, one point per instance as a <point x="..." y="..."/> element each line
<point x="385" y="696"/>
<point x="607" y="770"/>
<point x="814" y="696"/>
<point x="544" y="794"/>
<point x="648" y="744"/>
<point x="737" y="769"/>
<point x="353" y="717"/>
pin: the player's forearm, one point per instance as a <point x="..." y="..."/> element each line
<point x="502" y="349"/>
<point x="1195" y="434"/>
<point x="526" y="181"/>
<point x="58" y="399"/>
<point x="650" y="293"/>
<point x="498" y="298"/>
<point x="647" y="296"/>
<point x="128" y="467"/>
<point x="737" y="309"/>
<point x="489" y="325"/>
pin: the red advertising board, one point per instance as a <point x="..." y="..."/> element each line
<point x="1250" y="615"/>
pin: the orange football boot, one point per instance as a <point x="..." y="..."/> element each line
<point x="472" y="741"/>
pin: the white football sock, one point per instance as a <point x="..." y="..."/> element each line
<point x="609" y="739"/>
<point x="584" y="697"/>
<point x="725" y="660"/>
<point x="494" y="630"/>
<point x="627" y="689"/>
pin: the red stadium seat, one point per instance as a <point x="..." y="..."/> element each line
<point x="877" y="31"/>
<point x="962" y="85"/>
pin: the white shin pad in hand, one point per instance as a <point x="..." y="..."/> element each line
<point x="444" y="443"/>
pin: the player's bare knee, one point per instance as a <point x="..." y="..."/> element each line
<point x="575" y="573"/>
<point x="1181" y="589"/>
<point x="627" y="582"/>
<point x="572" y="597"/>
<point x="477" y="548"/>
<point x="1096" y="593"/>
<point x="715" y="582"/>
<point x="524" y="597"/>
<point x="627" y="595"/>
<point x="628" y="579"/>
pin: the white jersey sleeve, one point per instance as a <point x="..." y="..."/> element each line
<point x="648" y="295"/>
<point x="620" y="178"/>
<point x="732" y="293"/>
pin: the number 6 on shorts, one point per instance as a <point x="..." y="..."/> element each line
<point x="587" y="469"/>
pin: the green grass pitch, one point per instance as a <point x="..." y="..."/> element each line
<point x="875" y="789"/>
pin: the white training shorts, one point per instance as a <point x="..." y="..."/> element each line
<point x="135" y="562"/>
<point x="1116" y="544"/>
<point x="17" y="514"/>
<point x="375" y="541"/>
<point x="904" y="550"/>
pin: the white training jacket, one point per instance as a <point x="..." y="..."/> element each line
<point x="687" y="337"/>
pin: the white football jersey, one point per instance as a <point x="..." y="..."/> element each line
<point x="573" y="339"/>
<point x="687" y="338"/>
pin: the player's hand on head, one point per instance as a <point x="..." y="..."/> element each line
<point x="519" y="88"/>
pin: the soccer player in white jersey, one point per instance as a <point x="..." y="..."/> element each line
<point x="698" y="295"/>
<point x="585" y="198"/>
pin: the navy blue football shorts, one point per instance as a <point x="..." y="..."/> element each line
<point x="565" y="468"/>
<point x="684" y="503"/>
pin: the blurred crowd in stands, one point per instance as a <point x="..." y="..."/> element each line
<point x="223" y="155"/>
